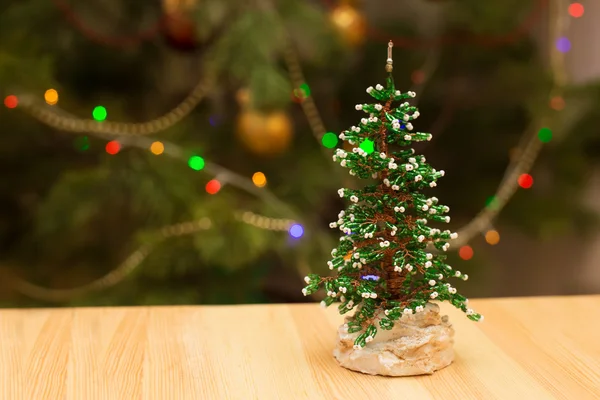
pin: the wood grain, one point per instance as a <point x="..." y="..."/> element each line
<point x="527" y="348"/>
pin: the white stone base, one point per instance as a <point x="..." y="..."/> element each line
<point x="417" y="344"/>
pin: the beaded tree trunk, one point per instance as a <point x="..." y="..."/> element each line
<point x="383" y="268"/>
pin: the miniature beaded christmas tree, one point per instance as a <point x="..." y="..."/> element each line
<point x="383" y="265"/>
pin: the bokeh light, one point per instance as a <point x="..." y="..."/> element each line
<point x="259" y="179"/>
<point x="466" y="252"/>
<point x="213" y="186"/>
<point x="329" y="140"/>
<point x="51" y="96"/>
<point x="576" y="10"/>
<point x="82" y="143"/>
<point x="113" y="147"/>
<point x="368" y="146"/>
<point x="417" y="77"/>
<point x="545" y="135"/>
<point x="296" y="231"/>
<point x="492" y="237"/>
<point x="196" y="163"/>
<point x="157" y="148"/>
<point x="99" y="113"/>
<point x="492" y="203"/>
<point x="557" y="103"/>
<point x="11" y="101"/>
<point x="525" y="181"/>
<point x="563" y="45"/>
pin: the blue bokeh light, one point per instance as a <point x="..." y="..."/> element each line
<point x="563" y="45"/>
<point x="296" y="231"/>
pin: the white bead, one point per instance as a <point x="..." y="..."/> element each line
<point x="416" y="114"/>
<point x="369" y="89"/>
<point x="429" y="256"/>
<point x="431" y="282"/>
<point x="358" y="106"/>
<point x="407" y="137"/>
<point x="425" y="207"/>
<point x="406" y="117"/>
<point x="304" y="292"/>
<point x="378" y="107"/>
<point x="453" y="235"/>
<point x="397" y="93"/>
<point x="409" y="126"/>
<point x="379" y="87"/>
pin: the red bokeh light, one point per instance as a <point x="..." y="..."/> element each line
<point x="576" y="10"/>
<point x="11" y="101"/>
<point x="466" y="253"/>
<point x="213" y="186"/>
<point x="417" y="77"/>
<point x="525" y="181"/>
<point x="113" y="147"/>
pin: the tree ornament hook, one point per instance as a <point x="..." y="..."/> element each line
<point x="389" y="64"/>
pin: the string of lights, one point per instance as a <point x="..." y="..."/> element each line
<point x="61" y="120"/>
<point x="517" y="174"/>
<point x="255" y="186"/>
<point x="135" y="259"/>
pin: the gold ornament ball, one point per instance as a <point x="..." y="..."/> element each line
<point x="266" y="134"/>
<point x="350" y="23"/>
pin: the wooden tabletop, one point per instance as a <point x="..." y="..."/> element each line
<point x="527" y="348"/>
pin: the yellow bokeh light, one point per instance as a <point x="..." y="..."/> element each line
<point x="492" y="237"/>
<point x="259" y="179"/>
<point x="157" y="148"/>
<point x="51" y="96"/>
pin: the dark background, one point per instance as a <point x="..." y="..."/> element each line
<point x="487" y="74"/>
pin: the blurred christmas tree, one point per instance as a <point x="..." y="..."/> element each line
<point x="75" y="207"/>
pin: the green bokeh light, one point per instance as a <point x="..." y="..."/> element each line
<point x="491" y="203"/>
<point x="545" y="135"/>
<point x="82" y="143"/>
<point x="196" y="163"/>
<point x="306" y="89"/>
<point x="329" y="140"/>
<point x="99" y="113"/>
<point x="368" y="146"/>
